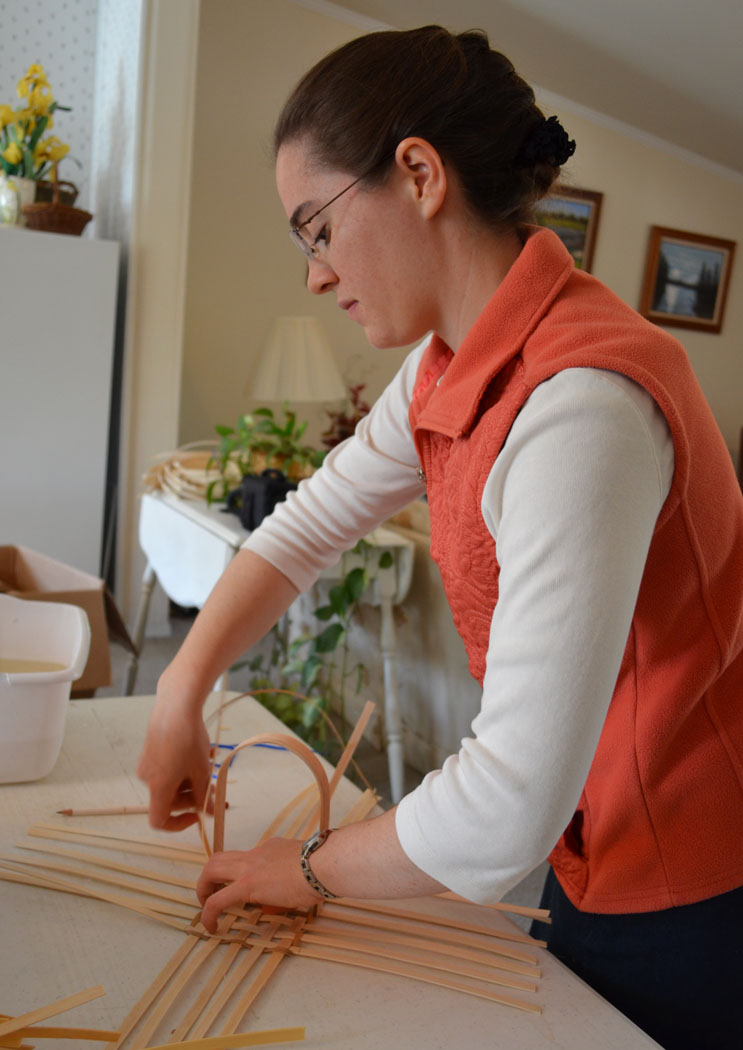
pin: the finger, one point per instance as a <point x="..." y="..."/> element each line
<point x="198" y="792"/>
<point x="209" y="808"/>
<point x="219" y="902"/>
<point x="219" y="870"/>
<point x="178" y="821"/>
<point x="161" y="805"/>
<point x="164" y="801"/>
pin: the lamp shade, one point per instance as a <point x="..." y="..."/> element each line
<point x="296" y="364"/>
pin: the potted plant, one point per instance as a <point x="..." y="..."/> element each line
<point x="26" y="155"/>
<point x="259" y="441"/>
<point x="303" y="680"/>
<point x="306" y="679"/>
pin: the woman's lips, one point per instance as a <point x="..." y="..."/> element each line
<point x="350" y="306"/>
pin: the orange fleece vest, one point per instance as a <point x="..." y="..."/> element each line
<point x="660" y="820"/>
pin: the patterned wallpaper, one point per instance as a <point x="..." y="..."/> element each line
<point x="114" y="117"/>
<point x="60" y="35"/>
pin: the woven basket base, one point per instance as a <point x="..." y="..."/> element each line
<point x="56" y="218"/>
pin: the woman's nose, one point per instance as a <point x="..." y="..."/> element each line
<point x="321" y="277"/>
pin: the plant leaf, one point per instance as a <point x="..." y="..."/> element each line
<point x="355" y="584"/>
<point x="310" y="715"/>
<point x="310" y="672"/>
<point x="328" y="639"/>
<point x="337" y="600"/>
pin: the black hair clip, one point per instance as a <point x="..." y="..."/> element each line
<point x="548" y="143"/>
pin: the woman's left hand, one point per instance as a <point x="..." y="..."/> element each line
<point x="270" y="874"/>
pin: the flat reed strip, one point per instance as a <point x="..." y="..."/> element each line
<point x="418" y="973"/>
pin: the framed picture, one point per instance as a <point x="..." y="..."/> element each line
<point x="686" y="279"/>
<point x="574" y="216"/>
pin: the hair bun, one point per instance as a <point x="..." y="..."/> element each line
<point x="548" y="143"/>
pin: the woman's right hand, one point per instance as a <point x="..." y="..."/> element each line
<point x="244" y="604"/>
<point x="175" y="760"/>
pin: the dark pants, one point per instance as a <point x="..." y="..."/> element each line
<point x="677" y="973"/>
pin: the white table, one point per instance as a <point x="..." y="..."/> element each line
<point x="55" y="945"/>
<point x="189" y="544"/>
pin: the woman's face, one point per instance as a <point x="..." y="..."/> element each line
<point x="372" y="246"/>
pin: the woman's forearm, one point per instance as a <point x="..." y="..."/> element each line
<point x="367" y="860"/>
<point x="247" y="601"/>
<point x="362" y="860"/>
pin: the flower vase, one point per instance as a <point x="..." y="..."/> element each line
<point x="15" y="192"/>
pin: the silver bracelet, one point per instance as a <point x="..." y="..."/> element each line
<point x="314" y="842"/>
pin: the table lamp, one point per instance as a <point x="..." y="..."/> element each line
<point x="296" y="364"/>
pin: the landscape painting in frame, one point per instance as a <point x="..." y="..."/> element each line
<point x="573" y="214"/>
<point x="686" y="279"/>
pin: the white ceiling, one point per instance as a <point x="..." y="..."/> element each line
<point x="673" y="68"/>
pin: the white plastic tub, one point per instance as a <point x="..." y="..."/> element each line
<point x="33" y="703"/>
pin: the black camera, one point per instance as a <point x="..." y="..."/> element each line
<point x="257" y="495"/>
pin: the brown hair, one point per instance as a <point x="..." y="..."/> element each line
<point x="362" y="99"/>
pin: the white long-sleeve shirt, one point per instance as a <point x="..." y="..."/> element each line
<point x="571" y="502"/>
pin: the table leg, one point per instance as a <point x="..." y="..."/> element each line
<point x="148" y="583"/>
<point x="392" y="718"/>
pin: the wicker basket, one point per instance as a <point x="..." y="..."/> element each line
<point x="55" y="217"/>
<point x="68" y="192"/>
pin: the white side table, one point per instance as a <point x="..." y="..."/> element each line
<point x="189" y="544"/>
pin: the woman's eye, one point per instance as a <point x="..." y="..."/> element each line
<point x="323" y="237"/>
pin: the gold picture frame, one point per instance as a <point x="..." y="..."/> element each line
<point x="573" y="214"/>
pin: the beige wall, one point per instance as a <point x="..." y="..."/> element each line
<point x="242" y="270"/>
<point x="647" y="185"/>
<point x="156" y="278"/>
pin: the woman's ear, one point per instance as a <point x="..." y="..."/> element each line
<point x="423" y="169"/>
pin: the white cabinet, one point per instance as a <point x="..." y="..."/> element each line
<point x="57" y="317"/>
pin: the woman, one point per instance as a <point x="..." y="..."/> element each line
<point x="586" y="519"/>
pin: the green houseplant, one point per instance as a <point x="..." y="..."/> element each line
<point x="305" y="679"/>
<point x="261" y="440"/>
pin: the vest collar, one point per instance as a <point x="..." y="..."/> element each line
<point x="499" y="333"/>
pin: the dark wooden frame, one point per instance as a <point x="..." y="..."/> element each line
<point x="593" y="199"/>
<point x="726" y="249"/>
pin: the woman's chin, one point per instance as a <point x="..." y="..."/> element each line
<point x="383" y="339"/>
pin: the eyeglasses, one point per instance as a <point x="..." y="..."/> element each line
<point x="310" y="248"/>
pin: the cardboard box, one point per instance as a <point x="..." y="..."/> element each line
<point x="25" y="573"/>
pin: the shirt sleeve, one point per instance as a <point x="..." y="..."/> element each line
<point x="362" y="482"/>
<point x="572" y="503"/>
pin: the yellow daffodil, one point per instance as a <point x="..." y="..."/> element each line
<point x="40" y="99"/>
<point x="13" y="153"/>
<point x="51" y="149"/>
<point x="26" y="122"/>
<point x="22" y="151"/>
<point x="34" y="77"/>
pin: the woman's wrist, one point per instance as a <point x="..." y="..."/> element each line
<point x="309" y="847"/>
<point x="180" y="684"/>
